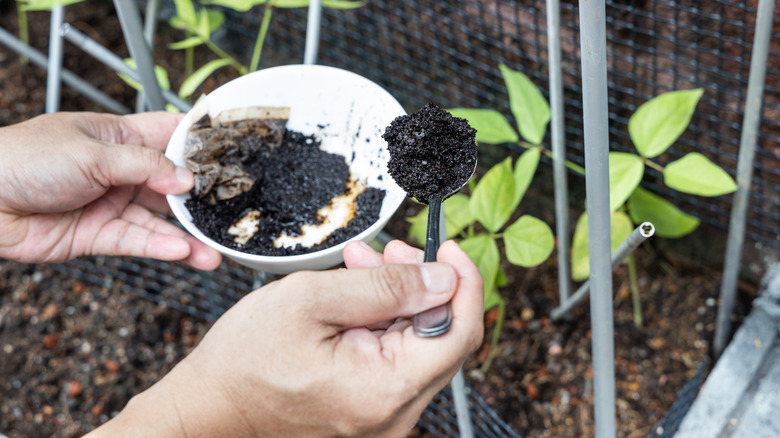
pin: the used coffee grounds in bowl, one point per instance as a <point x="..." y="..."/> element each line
<point x="267" y="190"/>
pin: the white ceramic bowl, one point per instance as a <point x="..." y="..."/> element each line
<point x="347" y="112"/>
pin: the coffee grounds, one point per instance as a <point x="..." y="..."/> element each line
<point x="293" y="181"/>
<point x="432" y="153"/>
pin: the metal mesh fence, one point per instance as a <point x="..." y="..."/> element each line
<point x="448" y="53"/>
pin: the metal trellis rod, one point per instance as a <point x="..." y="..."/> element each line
<point x="639" y="235"/>
<point x="312" y="32"/>
<point x="150" y="28"/>
<point x="130" y="22"/>
<point x="54" y="68"/>
<point x="558" y="146"/>
<point x="67" y="76"/>
<point x="593" y="49"/>
<point x="747" y="148"/>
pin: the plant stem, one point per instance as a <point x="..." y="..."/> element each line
<point x="189" y="61"/>
<point x="222" y="54"/>
<point x="261" y="37"/>
<point x="24" y="33"/>
<point x="571" y="165"/>
<point x="634" y="285"/>
<point x="653" y="165"/>
<point x="496" y="335"/>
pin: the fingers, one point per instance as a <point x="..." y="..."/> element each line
<point x="432" y="358"/>
<point x="357" y="254"/>
<point x="360" y="255"/>
<point x="128" y="165"/>
<point x="364" y="296"/>
<point x="151" y="129"/>
<point x="134" y="152"/>
<point x="142" y="234"/>
<point x="397" y="251"/>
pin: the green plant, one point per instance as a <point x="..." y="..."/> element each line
<point x="199" y="26"/>
<point x="653" y="128"/>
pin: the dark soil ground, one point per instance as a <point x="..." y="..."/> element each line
<point x="72" y="353"/>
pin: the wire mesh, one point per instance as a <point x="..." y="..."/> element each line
<point x="448" y="53"/>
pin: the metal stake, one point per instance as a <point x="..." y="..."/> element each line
<point x="150" y="27"/>
<point x="747" y="148"/>
<point x="639" y="235"/>
<point x="312" y="32"/>
<point x="558" y="146"/>
<point x="130" y="21"/>
<point x="54" y="69"/>
<point x="593" y="46"/>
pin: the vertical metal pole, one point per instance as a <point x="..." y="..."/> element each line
<point x="312" y="32"/>
<point x="150" y="27"/>
<point x="593" y="46"/>
<point x="458" y="383"/>
<point x="558" y="146"/>
<point x="54" y="69"/>
<point x="130" y="21"/>
<point x="747" y="148"/>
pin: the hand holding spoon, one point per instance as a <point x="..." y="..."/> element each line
<point x="432" y="156"/>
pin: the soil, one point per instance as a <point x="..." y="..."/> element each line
<point x="73" y="353"/>
<point x="432" y="153"/>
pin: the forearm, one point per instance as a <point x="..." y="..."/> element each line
<point x="179" y="405"/>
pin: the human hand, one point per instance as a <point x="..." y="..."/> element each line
<point x="86" y="183"/>
<point x="321" y="354"/>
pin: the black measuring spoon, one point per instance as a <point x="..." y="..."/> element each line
<point x="432" y="156"/>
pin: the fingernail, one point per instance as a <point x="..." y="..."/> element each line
<point x="437" y="277"/>
<point x="184" y="175"/>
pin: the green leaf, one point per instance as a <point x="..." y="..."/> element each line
<point x="238" y="5"/>
<point x="185" y="15"/>
<point x="44" y="5"/>
<point x="193" y="82"/>
<point x="342" y="4"/>
<point x="215" y="19"/>
<point x="620" y="228"/>
<point x="204" y="27"/>
<point x="483" y="251"/>
<point x="492" y="299"/>
<point x="491" y="202"/>
<point x="528" y="105"/>
<point x="492" y="127"/>
<point x="625" y="173"/>
<point x="528" y="241"/>
<point x="659" y="122"/>
<point x="668" y="220"/>
<point x="160" y="74"/>
<point x="418" y="229"/>
<point x="525" y="168"/>
<point x="697" y="175"/>
<point x="192" y="41"/>
<point x="457" y="214"/>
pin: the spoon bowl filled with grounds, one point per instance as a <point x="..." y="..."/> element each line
<point x="289" y="166"/>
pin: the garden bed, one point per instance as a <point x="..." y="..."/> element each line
<point x="73" y="352"/>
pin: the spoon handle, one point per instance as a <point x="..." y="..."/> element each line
<point x="436" y="321"/>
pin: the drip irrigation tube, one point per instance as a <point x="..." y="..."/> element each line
<point x="639" y="235"/>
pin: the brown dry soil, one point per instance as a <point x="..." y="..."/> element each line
<point x="72" y="354"/>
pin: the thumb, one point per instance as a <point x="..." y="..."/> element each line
<point x="134" y="165"/>
<point x="360" y="297"/>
